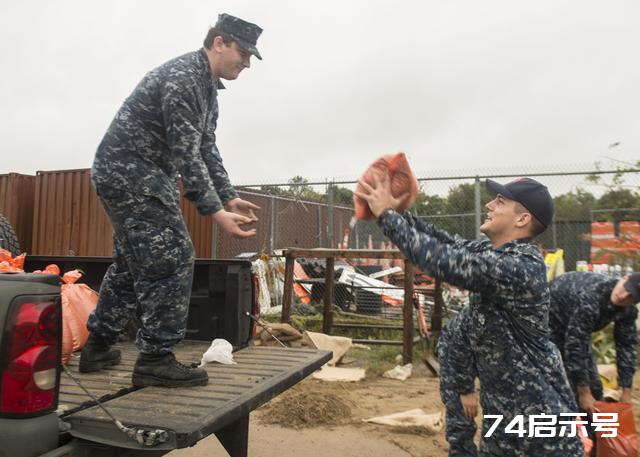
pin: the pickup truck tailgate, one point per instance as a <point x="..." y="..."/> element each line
<point x="186" y="414"/>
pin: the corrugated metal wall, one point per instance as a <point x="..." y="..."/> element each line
<point x="16" y="203"/>
<point x="68" y="218"/>
<point x="60" y="214"/>
<point x="199" y="228"/>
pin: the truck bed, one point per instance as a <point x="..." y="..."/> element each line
<point x="186" y="414"/>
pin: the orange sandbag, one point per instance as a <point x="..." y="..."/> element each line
<point x="71" y="277"/>
<point x="625" y="444"/>
<point x="51" y="269"/>
<point x="10" y="264"/>
<point x="402" y="179"/>
<point x="78" y="301"/>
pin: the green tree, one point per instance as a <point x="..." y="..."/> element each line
<point x="575" y="205"/>
<point x="617" y="200"/>
<point x="430" y="205"/>
<point x="299" y="188"/>
<point x="342" y="195"/>
<point x="462" y="198"/>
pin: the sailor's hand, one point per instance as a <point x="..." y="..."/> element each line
<point x="470" y="405"/>
<point x="232" y="223"/>
<point x="625" y="397"/>
<point x="586" y="401"/>
<point x="243" y="207"/>
<point x="378" y="194"/>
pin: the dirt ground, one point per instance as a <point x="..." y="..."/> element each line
<point x="285" y="427"/>
<point x="282" y="427"/>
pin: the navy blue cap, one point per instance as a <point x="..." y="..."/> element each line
<point x="242" y="32"/>
<point x="530" y="194"/>
<point x="631" y="284"/>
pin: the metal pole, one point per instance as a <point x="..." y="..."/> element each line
<point x="554" y="234"/>
<point x="320" y="240"/>
<point x="356" y="234"/>
<point x="478" y="210"/>
<point x="330" y="215"/>
<point x="272" y="226"/>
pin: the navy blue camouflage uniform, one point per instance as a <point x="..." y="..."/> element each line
<point x="457" y="376"/>
<point x="580" y="305"/>
<point x="165" y="128"/>
<point x="519" y="368"/>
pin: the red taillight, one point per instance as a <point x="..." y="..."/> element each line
<point x="30" y="365"/>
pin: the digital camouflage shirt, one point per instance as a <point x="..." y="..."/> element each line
<point x="580" y="305"/>
<point x="166" y="128"/>
<point x="519" y="368"/>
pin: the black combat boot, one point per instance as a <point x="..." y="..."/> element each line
<point x="96" y="355"/>
<point x="165" y="371"/>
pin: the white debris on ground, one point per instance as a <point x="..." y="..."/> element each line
<point x="400" y="372"/>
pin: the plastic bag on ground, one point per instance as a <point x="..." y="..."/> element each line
<point x="220" y="351"/>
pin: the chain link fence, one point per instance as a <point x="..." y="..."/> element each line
<point x="320" y="214"/>
<point x="303" y="214"/>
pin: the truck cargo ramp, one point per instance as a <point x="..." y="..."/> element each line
<point x="187" y="414"/>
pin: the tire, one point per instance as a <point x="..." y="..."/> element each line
<point x="8" y="238"/>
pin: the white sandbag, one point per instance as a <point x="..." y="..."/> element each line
<point x="433" y="422"/>
<point x="339" y="345"/>
<point x="401" y="372"/>
<point x="336" y="374"/>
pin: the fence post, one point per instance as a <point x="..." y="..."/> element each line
<point x="330" y="215"/>
<point x="478" y="209"/>
<point x="356" y="235"/>
<point x="272" y="225"/>
<point x="288" y="288"/>
<point x="327" y="312"/>
<point x="320" y="239"/>
<point x="554" y="234"/>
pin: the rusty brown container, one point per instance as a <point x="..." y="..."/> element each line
<point x="16" y="204"/>
<point x="68" y="217"/>
<point x="199" y="227"/>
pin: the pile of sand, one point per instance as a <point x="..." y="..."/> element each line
<point x="306" y="409"/>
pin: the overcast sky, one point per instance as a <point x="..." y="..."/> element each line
<point x="462" y="86"/>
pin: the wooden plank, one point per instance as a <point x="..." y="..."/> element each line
<point x="324" y="253"/>
<point x="327" y="317"/>
<point x="288" y="290"/>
